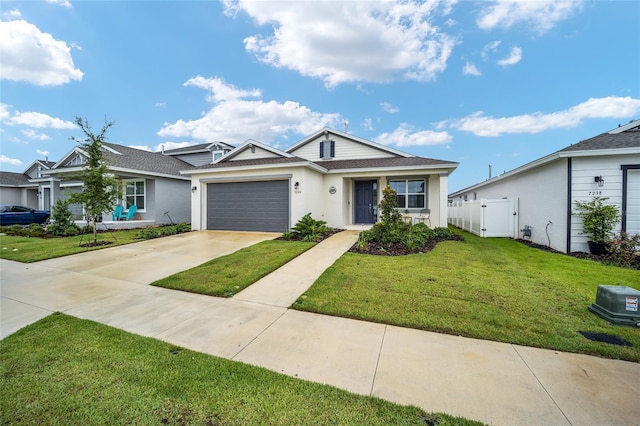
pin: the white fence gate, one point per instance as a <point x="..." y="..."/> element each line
<point x="486" y="218"/>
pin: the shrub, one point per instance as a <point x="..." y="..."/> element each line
<point x="61" y="218"/>
<point x="621" y="250"/>
<point x="165" y="231"/>
<point x="70" y="231"/>
<point x="149" y="233"/>
<point x="183" y="227"/>
<point x="598" y="218"/>
<point x="308" y="229"/>
<point x="16" y="230"/>
<point x="35" y="230"/>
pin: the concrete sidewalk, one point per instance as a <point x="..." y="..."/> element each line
<point x="496" y="383"/>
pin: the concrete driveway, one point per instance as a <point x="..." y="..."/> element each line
<point x="30" y="292"/>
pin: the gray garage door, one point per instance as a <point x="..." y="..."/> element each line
<point x="248" y="206"/>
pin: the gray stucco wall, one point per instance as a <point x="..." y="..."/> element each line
<point x="172" y="196"/>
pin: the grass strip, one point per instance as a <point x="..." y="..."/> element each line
<point x="227" y="275"/>
<point x="63" y="370"/>
<point x="487" y="288"/>
<point x="33" y="249"/>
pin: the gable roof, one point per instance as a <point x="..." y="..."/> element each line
<point x="203" y="147"/>
<point x="252" y="144"/>
<point x="398" y="161"/>
<point x="126" y="159"/>
<point x="329" y="131"/>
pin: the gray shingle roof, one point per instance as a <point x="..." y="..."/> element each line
<point x="13" y="179"/>
<point x="334" y="164"/>
<point x="386" y="162"/>
<point x="137" y="159"/>
<point x="627" y="139"/>
<point x="243" y="163"/>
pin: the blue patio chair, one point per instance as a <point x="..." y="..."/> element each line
<point x="132" y="211"/>
<point x="117" y="213"/>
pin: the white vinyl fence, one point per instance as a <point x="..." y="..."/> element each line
<point x="486" y="218"/>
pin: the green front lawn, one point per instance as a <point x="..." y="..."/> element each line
<point x="34" y="249"/>
<point x="63" y="370"/>
<point x="227" y="275"/>
<point x="487" y="288"/>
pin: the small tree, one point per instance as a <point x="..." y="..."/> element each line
<point x="101" y="190"/>
<point x="598" y="218"/>
<point x="389" y="213"/>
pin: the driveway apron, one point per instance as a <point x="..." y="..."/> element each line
<point x="496" y="383"/>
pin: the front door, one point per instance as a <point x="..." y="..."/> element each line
<point x="365" y="201"/>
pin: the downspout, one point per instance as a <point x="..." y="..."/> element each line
<point x="569" y="205"/>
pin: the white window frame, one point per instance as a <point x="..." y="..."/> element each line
<point x="406" y="193"/>
<point x="124" y="193"/>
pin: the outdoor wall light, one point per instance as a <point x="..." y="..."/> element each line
<point x="296" y="185"/>
<point x="599" y="180"/>
<point x="194" y="188"/>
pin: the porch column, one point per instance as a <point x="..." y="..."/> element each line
<point x="55" y="193"/>
<point x="442" y="203"/>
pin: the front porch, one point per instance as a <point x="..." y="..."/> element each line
<point x="114" y="225"/>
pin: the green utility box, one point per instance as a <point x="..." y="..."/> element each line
<point x="617" y="304"/>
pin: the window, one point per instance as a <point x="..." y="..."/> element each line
<point x="327" y="149"/>
<point x="134" y="194"/>
<point x="217" y="154"/>
<point x="410" y="193"/>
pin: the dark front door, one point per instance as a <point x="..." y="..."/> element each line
<point x="365" y="201"/>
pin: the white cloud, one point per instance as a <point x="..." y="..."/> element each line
<point x="514" y="57"/>
<point x="4" y="111"/>
<point x="404" y="136"/>
<point x="35" y="57"/>
<point x="539" y="15"/>
<point x="140" y="147"/>
<point x="609" y="107"/>
<point x="6" y="160"/>
<point x="160" y="104"/>
<point x="387" y="107"/>
<point x="391" y="40"/>
<point x="470" y="69"/>
<point x="367" y="123"/>
<point x="238" y="115"/>
<point x="11" y="14"/>
<point x="43" y="153"/>
<point x="38" y="120"/>
<point x="63" y="3"/>
<point x="32" y="134"/>
<point x="489" y="47"/>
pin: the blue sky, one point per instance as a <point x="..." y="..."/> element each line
<point x="479" y="83"/>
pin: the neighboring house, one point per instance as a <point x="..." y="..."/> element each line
<point x="606" y="165"/>
<point x="335" y="176"/>
<point x="17" y="188"/>
<point x="150" y="180"/>
<point x="199" y="155"/>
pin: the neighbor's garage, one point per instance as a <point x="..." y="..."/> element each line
<point x="248" y="206"/>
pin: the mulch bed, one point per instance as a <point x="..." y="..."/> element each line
<point x="398" y="249"/>
<point x="96" y="244"/>
<point x="576" y="254"/>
